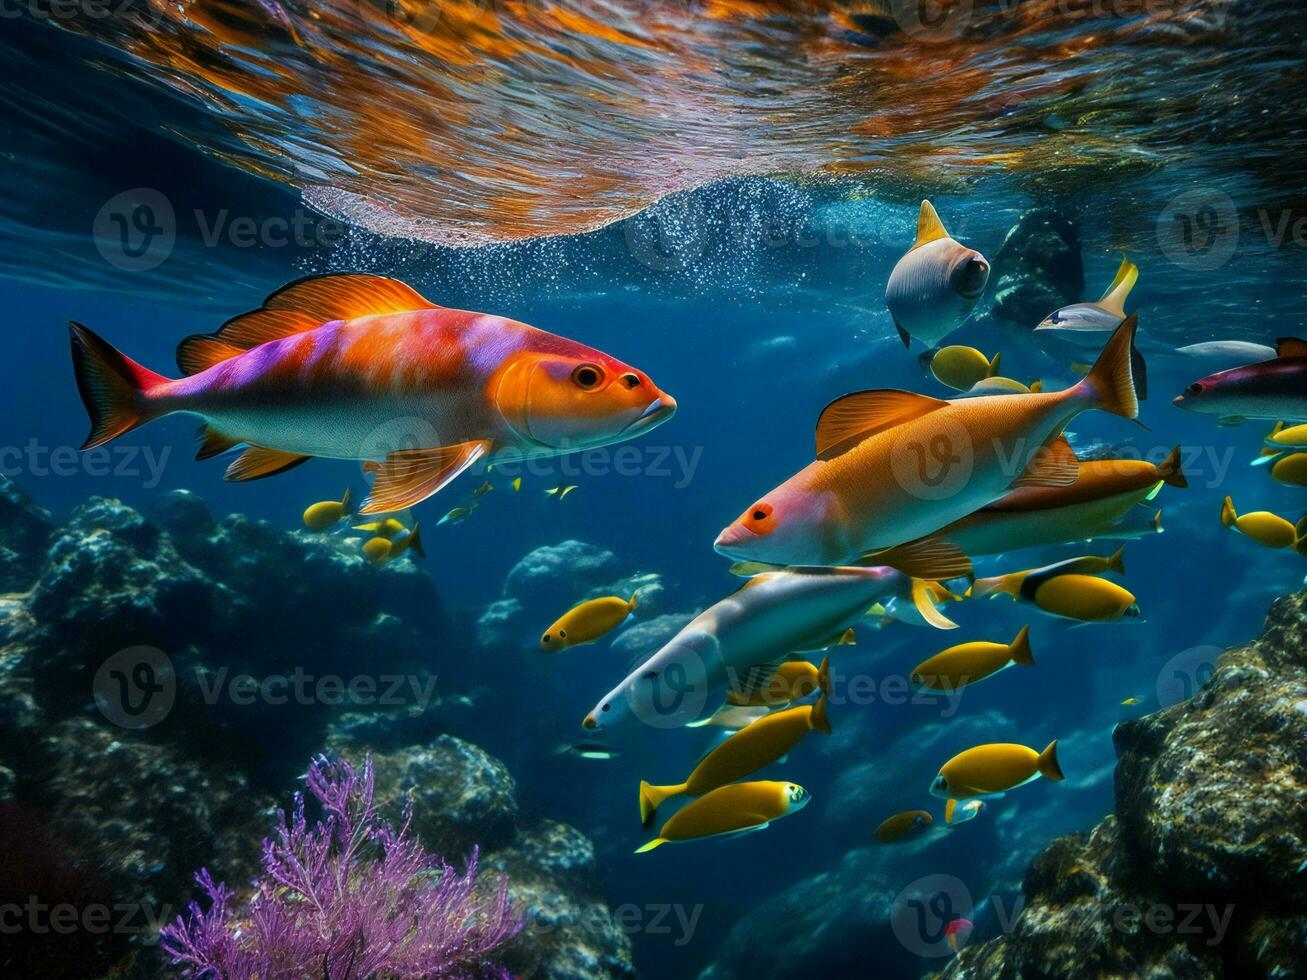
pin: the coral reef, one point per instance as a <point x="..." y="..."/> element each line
<point x="1200" y="871"/>
<point x="164" y="678"/>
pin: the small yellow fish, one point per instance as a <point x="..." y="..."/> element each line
<point x="960" y="367"/>
<point x="904" y="826"/>
<point x="1015" y="584"/>
<point x="325" y="513"/>
<point x="517" y="484"/>
<point x="484" y="489"/>
<point x="387" y="528"/>
<point x="1083" y="598"/>
<point x="1291" y="469"/>
<point x="969" y="663"/>
<point x="1130" y="702"/>
<point x="1290" y="437"/>
<point x="455" y="515"/>
<point x="744" y="753"/>
<point x="734" y="809"/>
<point x="990" y="770"/>
<point x="999" y="385"/>
<point x="412" y="541"/>
<point x="960" y="811"/>
<point x="376" y="550"/>
<point x="1262" y="526"/>
<point x="587" y="622"/>
<point x="793" y="680"/>
<point x="561" y="491"/>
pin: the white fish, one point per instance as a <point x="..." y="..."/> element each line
<point x="936" y="285"/>
<point x="736" y="643"/>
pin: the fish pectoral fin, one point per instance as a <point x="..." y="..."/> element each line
<point x="903" y="335"/>
<point x="412" y="475"/>
<point x="214" y="443"/>
<point x="925" y="558"/>
<point x="748" y="569"/>
<point x="754" y="679"/>
<point x="846" y="421"/>
<point x="259" y="462"/>
<point x="1053" y="464"/>
<point x="923" y="599"/>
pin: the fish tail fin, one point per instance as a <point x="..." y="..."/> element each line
<point x="1116" y="563"/>
<point x="1021" y="649"/>
<point x="1228" y="514"/>
<point x="922" y="598"/>
<point x="823" y="671"/>
<point x="656" y="842"/>
<point x="990" y="587"/>
<point x="344" y="501"/>
<point x="993" y="365"/>
<point x="1112" y="382"/>
<point x="1300" y="545"/>
<point x="114" y="388"/>
<point x="1113" y="300"/>
<point x="1170" y="470"/>
<point x="1048" y="764"/>
<point x="817" y="719"/>
<point x="415" y="541"/>
<point x="635" y="600"/>
<point x="651" y="797"/>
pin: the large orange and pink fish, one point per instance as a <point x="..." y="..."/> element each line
<point x="328" y="365"/>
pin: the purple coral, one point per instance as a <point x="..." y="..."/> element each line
<point x="346" y="899"/>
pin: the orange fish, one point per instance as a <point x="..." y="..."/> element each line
<point x="894" y="467"/>
<point x="347" y="366"/>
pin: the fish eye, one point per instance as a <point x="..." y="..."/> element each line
<point x="759" y="519"/>
<point x="1195" y="388"/>
<point x="631" y="380"/>
<point x="587" y="377"/>
<point x="562" y="634"/>
<point x="606" y="707"/>
<point x="546" y="638"/>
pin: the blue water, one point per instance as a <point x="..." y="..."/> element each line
<point x="760" y="303"/>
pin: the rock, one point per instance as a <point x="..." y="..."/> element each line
<point x="556" y="576"/>
<point x="1038" y="269"/>
<point x="645" y="637"/>
<point x="500" y="622"/>
<point x="25" y="532"/>
<point x="1208" y="832"/>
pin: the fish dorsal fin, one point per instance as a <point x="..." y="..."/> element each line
<point x="1127" y="274"/>
<point x="1054" y="464"/>
<point x="846" y="421"/>
<point x="195" y="354"/>
<point x="299" y="307"/>
<point x="929" y="227"/>
<point x="1291" y="347"/>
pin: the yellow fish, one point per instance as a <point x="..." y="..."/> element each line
<point x="744" y="753"/>
<point x="1013" y="583"/>
<point x="1130" y="702"/>
<point x="793" y="680"/>
<point x="1261" y="525"/>
<point x="904" y="826"/>
<point x="1004" y="386"/>
<point x="960" y="811"/>
<point x="969" y="663"/>
<point x="376" y="550"/>
<point x="1290" y="437"/>
<point x="1291" y="469"/>
<point x="412" y="541"/>
<point x="734" y="809"/>
<point x="517" y="484"/>
<point x="991" y="770"/>
<point x="587" y="622"/>
<point x="325" y="513"/>
<point x="455" y="515"/>
<point x="387" y="528"/>
<point x="484" y="489"/>
<point x="960" y="367"/>
<point x="1081" y="597"/>
<point x="561" y="491"/>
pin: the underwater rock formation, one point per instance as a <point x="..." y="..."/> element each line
<point x="1200" y="871"/>
<point x="142" y="800"/>
<point x="1037" y="269"/>
<point x="24" y="530"/>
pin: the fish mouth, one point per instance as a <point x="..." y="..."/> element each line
<point x="657" y="411"/>
<point x="1178" y="402"/>
<point x="730" y="538"/>
<point x="590" y="723"/>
